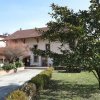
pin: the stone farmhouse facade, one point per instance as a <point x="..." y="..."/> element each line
<point x="2" y="45"/>
<point x="33" y="39"/>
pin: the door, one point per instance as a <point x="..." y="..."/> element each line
<point x="26" y="61"/>
<point x="44" y="61"/>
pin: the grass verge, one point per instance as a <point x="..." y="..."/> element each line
<point x="71" y="86"/>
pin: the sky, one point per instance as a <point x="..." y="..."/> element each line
<point x="28" y="14"/>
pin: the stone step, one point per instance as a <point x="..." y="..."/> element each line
<point x="36" y="67"/>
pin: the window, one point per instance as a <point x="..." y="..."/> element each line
<point x="47" y="46"/>
<point x="35" y="47"/>
<point x="36" y="58"/>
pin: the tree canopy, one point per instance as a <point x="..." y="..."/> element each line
<point x="81" y="30"/>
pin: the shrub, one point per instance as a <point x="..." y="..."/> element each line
<point x="73" y="69"/>
<point x="18" y="64"/>
<point x="38" y="81"/>
<point x="42" y="79"/>
<point x="29" y="89"/>
<point x="17" y="95"/>
<point x="8" y="67"/>
<point x="48" y="72"/>
<point x="46" y="79"/>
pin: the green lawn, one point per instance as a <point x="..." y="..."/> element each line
<point x="71" y="86"/>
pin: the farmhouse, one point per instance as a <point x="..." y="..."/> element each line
<point x="33" y="38"/>
<point x="2" y="45"/>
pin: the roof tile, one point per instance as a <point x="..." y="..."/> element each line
<point x="26" y="33"/>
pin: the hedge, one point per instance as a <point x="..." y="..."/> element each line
<point x="41" y="80"/>
<point x="17" y="95"/>
<point x="29" y="89"/>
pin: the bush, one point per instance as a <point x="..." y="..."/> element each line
<point x="38" y="81"/>
<point x="46" y="80"/>
<point x="14" y="66"/>
<point x="8" y="67"/>
<point x="42" y="79"/>
<point x="18" y="64"/>
<point x="17" y="95"/>
<point x="73" y="69"/>
<point x="29" y="89"/>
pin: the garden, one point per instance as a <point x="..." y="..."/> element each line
<point x="81" y="31"/>
<point x="58" y="85"/>
<point x="31" y="89"/>
<point x="14" y="54"/>
<point x="71" y="86"/>
<point x="9" y="68"/>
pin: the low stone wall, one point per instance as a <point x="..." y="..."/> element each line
<point x="2" y="72"/>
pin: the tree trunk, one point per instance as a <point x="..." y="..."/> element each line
<point x="99" y="82"/>
<point x="98" y="75"/>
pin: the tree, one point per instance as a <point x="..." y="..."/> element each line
<point x="15" y="50"/>
<point x="91" y="40"/>
<point x="67" y="27"/>
<point x="81" y="31"/>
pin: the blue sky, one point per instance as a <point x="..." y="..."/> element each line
<point x="26" y="14"/>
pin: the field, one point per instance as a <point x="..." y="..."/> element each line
<point x="71" y="86"/>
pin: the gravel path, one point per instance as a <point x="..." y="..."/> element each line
<point x="10" y="82"/>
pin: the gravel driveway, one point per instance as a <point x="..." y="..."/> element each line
<point x="10" y="82"/>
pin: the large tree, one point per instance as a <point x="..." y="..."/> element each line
<point x="91" y="41"/>
<point x="81" y="31"/>
<point x="67" y="28"/>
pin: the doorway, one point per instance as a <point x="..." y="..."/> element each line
<point x="44" y="61"/>
<point x="26" y="61"/>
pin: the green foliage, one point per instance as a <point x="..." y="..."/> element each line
<point x="38" y="80"/>
<point x="42" y="79"/>
<point x="18" y="64"/>
<point x="67" y="27"/>
<point x="47" y="74"/>
<point x="8" y="67"/>
<point x="81" y="30"/>
<point x="29" y="89"/>
<point x="71" y="86"/>
<point x="17" y="95"/>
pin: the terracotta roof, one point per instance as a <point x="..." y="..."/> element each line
<point x="26" y="33"/>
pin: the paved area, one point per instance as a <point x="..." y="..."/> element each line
<point x="10" y="82"/>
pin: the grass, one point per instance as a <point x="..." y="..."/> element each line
<point x="71" y="86"/>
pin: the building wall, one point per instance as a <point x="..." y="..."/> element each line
<point x="54" y="47"/>
<point x="2" y="43"/>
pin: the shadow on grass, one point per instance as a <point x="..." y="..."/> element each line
<point x="62" y="71"/>
<point x="58" y="90"/>
<point x="66" y="71"/>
